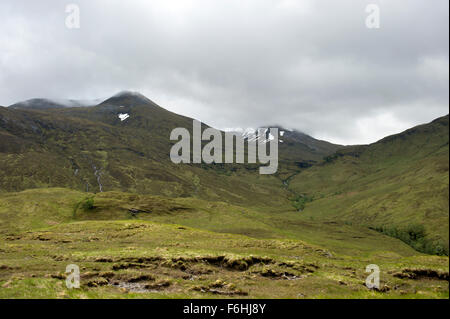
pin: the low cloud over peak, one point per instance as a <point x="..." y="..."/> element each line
<point x="310" y="65"/>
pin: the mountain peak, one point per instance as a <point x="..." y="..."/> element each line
<point x="44" y="103"/>
<point x="128" y="93"/>
<point x="128" y="98"/>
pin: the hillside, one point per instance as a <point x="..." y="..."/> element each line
<point x="92" y="149"/>
<point x="398" y="185"/>
<point x="42" y="104"/>
<point x="95" y="186"/>
<point x="130" y="246"/>
<point x="297" y="150"/>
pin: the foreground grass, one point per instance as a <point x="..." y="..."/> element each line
<point x="140" y="246"/>
<point x="141" y="259"/>
<point x="34" y="209"/>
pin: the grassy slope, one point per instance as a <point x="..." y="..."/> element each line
<point x="400" y="180"/>
<point x="140" y="259"/>
<point x="43" y="149"/>
<point x="63" y="147"/>
<point x="49" y="231"/>
<point x="45" y="207"/>
<point x="115" y="248"/>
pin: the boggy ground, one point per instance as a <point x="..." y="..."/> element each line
<point x="144" y="259"/>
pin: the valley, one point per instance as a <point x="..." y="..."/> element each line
<point x="79" y="185"/>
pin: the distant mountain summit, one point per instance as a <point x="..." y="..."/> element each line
<point x="128" y="98"/>
<point x="297" y="149"/>
<point x="125" y="98"/>
<point x="42" y="103"/>
<point x="123" y="143"/>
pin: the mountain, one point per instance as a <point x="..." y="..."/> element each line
<point x="41" y="104"/>
<point x="297" y="150"/>
<point x="301" y="151"/>
<point x="94" y="186"/>
<point x="128" y="98"/>
<point x="123" y="144"/>
<point x="398" y="185"/>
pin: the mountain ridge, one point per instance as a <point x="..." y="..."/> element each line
<point x="313" y="227"/>
<point x="144" y="121"/>
<point x="93" y="149"/>
<point x="398" y="183"/>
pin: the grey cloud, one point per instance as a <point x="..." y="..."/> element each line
<point x="309" y="65"/>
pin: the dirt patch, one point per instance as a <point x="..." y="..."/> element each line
<point x="141" y="287"/>
<point x="235" y="263"/>
<point x="139" y="278"/>
<point x="58" y="276"/>
<point x="422" y="273"/>
<point x="299" y="267"/>
<point x="128" y="266"/>
<point x="5" y="267"/>
<point x="270" y="273"/>
<point x="135" y="211"/>
<point x="89" y="275"/>
<point x="220" y="287"/>
<point x="162" y="284"/>
<point x="128" y="286"/>
<point x="132" y="278"/>
<point x="100" y="281"/>
<point x="183" y="263"/>
<point x="13" y="237"/>
<point x="384" y="288"/>
<point x="103" y="260"/>
<point x="107" y="274"/>
<point x="41" y="238"/>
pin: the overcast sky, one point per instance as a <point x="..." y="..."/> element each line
<point x="309" y="65"/>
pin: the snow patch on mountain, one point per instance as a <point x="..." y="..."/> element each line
<point x="123" y="116"/>
<point x="251" y="134"/>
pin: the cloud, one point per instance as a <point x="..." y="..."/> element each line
<point x="309" y="65"/>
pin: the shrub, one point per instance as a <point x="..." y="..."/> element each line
<point x="299" y="202"/>
<point x="414" y="236"/>
<point x="88" y="204"/>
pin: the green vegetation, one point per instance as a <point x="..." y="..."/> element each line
<point x="66" y="147"/>
<point x="299" y="202"/>
<point x="401" y="180"/>
<point x="140" y="259"/>
<point x="88" y="204"/>
<point x="160" y="230"/>
<point x="142" y="246"/>
<point x="414" y="235"/>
